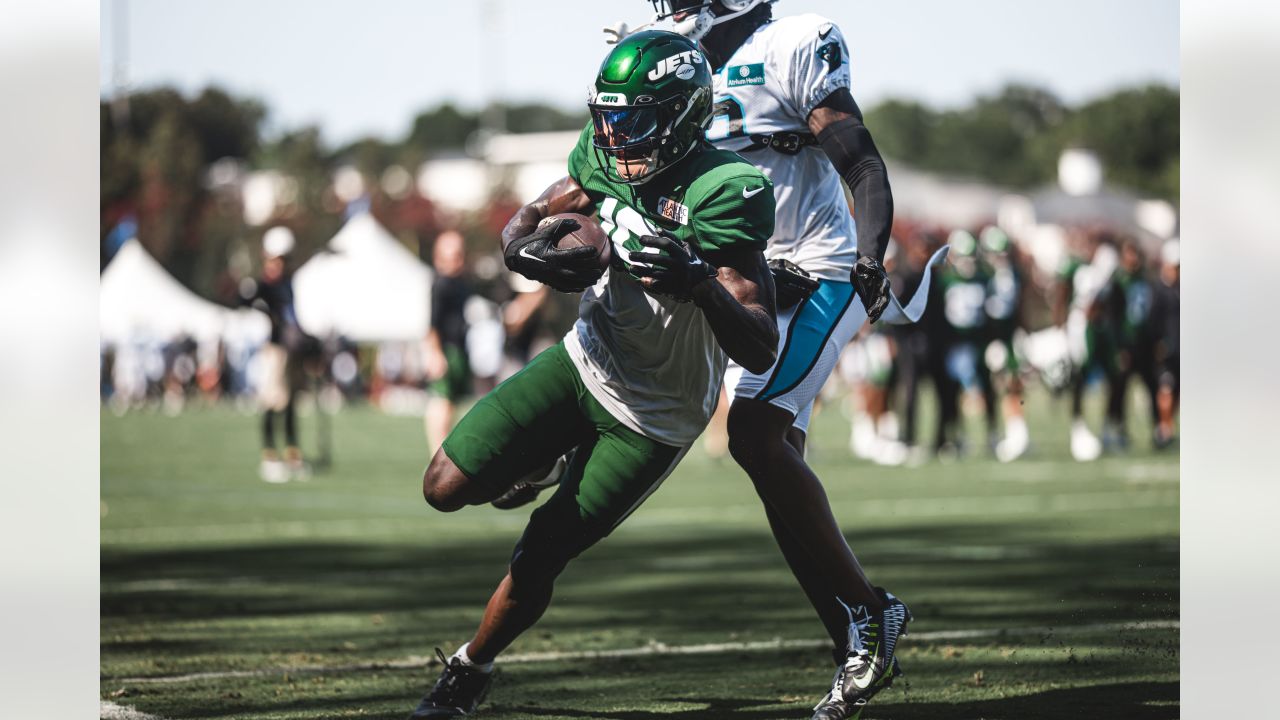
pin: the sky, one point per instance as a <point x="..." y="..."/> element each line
<point x="366" y="68"/>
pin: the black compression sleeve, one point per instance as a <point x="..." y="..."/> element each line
<point x="849" y="146"/>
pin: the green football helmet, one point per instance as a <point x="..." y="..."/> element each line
<point x="650" y="105"/>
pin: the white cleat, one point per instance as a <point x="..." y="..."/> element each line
<point x="273" y="471"/>
<point x="1085" y="446"/>
<point x="1015" y="442"/>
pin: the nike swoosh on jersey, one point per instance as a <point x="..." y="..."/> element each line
<point x="524" y="252"/>
<point x="822" y="34"/>
<point x="752" y="193"/>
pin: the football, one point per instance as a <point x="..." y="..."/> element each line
<point x="588" y="233"/>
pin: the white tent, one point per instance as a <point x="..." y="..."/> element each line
<point x="367" y="287"/>
<point x="139" y="301"/>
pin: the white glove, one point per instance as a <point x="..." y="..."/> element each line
<point x="616" y="32"/>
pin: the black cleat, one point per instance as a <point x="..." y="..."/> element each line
<point x="837" y="708"/>
<point x="527" y="488"/>
<point x="870" y="665"/>
<point x="458" y="692"/>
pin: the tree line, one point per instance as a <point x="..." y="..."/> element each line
<point x="157" y="147"/>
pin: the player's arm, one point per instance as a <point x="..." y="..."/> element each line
<point x="739" y="307"/>
<point x="530" y="248"/>
<point x="735" y="294"/>
<point x="837" y="123"/>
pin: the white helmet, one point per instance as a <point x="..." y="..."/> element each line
<point x="702" y="17"/>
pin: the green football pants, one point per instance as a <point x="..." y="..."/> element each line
<point x="534" y="417"/>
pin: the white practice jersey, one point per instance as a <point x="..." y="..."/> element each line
<point x="770" y="85"/>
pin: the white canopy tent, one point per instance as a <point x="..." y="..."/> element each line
<point x="367" y="287"/>
<point x="139" y="302"/>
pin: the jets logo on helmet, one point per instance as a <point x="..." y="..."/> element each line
<point x="675" y="63"/>
<point x="650" y="105"/>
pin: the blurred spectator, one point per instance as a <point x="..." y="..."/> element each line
<point x="523" y="318"/>
<point x="445" y="347"/>
<point x="279" y="358"/>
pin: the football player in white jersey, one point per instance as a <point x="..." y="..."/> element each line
<point x="783" y="102"/>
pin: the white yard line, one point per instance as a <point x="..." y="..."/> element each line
<point x="108" y="710"/>
<point x="418" y="661"/>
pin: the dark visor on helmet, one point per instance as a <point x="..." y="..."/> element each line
<point x="622" y="128"/>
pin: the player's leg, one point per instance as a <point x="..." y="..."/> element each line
<point x="1148" y="370"/>
<point x="272" y="396"/>
<point x="525" y="423"/>
<point x="948" y="391"/>
<point x="608" y="479"/>
<point x="1167" y="401"/>
<point x="986" y="385"/>
<point x="766" y="411"/>
<point x="758" y="440"/>
<point x="808" y="573"/>
<point x="446" y="393"/>
<point x="1016" y="438"/>
<point x="1119" y="369"/>
<point x="530" y="419"/>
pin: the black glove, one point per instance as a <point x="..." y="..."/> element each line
<point x="792" y="285"/>
<point x="536" y="257"/>
<point x="872" y="285"/>
<point x="675" y="271"/>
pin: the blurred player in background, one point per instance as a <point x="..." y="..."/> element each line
<point x="1129" y="300"/>
<point x="279" y="358"/>
<point x="445" y="346"/>
<point x="1084" y="273"/>
<point x="965" y="285"/>
<point x="1167" y="317"/>
<point x="782" y="100"/>
<point x="634" y="382"/>
<point x="920" y="345"/>
<point x="1003" y="307"/>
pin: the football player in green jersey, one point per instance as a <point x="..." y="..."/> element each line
<point x="636" y="380"/>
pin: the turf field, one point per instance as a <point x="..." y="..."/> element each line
<point x="1041" y="589"/>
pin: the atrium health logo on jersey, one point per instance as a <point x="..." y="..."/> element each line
<point x="676" y="64"/>
<point x="745" y="75"/>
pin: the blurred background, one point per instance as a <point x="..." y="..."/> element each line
<point x="368" y="140"/>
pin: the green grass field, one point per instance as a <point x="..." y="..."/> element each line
<point x="225" y="597"/>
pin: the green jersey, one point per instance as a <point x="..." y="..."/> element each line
<point x="964" y="300"/>
<point x="651" y="361"/>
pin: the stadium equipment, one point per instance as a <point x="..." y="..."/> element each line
<point x="650" y="105"/>
<point x="458" y="692"/>
<point x="587" y="234"/>
<point x="870" y="665"/>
